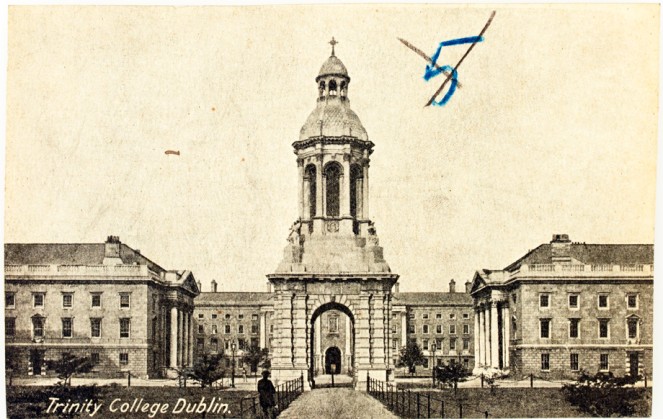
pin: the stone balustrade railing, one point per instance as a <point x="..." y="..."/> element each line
<point x="600" y="270"/>
<point x="77" y="270"/>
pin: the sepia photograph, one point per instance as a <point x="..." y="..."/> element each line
<point x="203" y="219"/>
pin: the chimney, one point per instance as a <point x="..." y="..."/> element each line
<point x="561" y="248"/>
<point x="452" y="286"/>
<point x="213" y="286"/>
<point x="468" y="287"/>
<point x="112" y="251"/>
<point x="200" y="286"/>
<point x="396" y="288"/>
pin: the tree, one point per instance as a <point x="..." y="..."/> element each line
<point x="12" y="361"/>
<point x="411" y="356"/>
<point x="603" y="394"/>
<point x="208" y="369"/>
<point x="68" y="365"/>
<point x="256" y="357"/>
<point x="451" y="374"/>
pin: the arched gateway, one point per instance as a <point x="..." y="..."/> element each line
<point x="333" y="259"/>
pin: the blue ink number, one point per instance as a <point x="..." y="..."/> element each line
<point x="433" y="69"/>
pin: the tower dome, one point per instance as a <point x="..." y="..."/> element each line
<point x="332" y="116"/>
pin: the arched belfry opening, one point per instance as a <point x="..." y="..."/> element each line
<point x="332" y="289"/>
<point x="333" y="172"/>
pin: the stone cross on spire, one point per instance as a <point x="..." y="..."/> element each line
<point x="333" y="42"/>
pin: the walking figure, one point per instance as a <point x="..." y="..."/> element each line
<point x="267" y="391"/>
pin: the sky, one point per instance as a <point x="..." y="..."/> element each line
<point x="554" y="130"/>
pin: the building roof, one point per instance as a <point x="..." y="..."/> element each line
<point x="234" y="298"/>
<point x="431" y="298"/>
<point x="333" y="118"/>
<point x="333" y="66"/>
<point x="591" y="254"/>
<point x="70" y="254"/>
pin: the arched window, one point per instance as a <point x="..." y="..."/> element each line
<point x="343" y="88"/>
<point x="333" y="184"/>
<point x="321" y="88"/>
<point x="310" y="175"/>
<point x="332" y="88"/>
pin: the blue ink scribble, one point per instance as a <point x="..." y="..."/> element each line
<point x="433" y="69"/>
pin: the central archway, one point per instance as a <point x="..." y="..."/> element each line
<point x="320" y="360"/>
<point x="333" y="360"/>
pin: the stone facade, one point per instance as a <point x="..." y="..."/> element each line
<point x="566" y="307"/>
<point x="105" y="301"/>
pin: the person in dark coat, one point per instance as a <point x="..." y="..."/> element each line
<point x="267" y="391"/>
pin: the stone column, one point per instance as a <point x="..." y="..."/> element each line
<point x="365" y="190"/>
<point x="345" y="188"/>
<point x="173" y="337"/>
<point x="263" y="331"/>
<point x="348" y="338"/>
<point x="477" y="338"/>
<point x="300" y="171"/>
<point x="318" y="188"/>
<point x="506" y="321"/>
<point x="482" y="336"/>
<point x="359" y="198"/>
<point x="185" y="339"/>
<point x="190" y="339"/>
<point x="403" y="328"/>
<point x="180" y="335"/>
<point x="299" y="330"/>
<point x="307" y="198"/>
<point x="316" y="349"/>
<point x="494" y="343"/>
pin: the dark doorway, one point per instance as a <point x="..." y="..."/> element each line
<point x="634" y="364"/>
<point x="333" y="357"/>
<point x="37" y="359"/>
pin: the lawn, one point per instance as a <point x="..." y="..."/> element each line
<point x="134" y="402"/>
<point x="503" y="402"/>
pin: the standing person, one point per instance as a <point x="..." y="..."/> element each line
<point x="244" y="373"/>
<point x="267" y="391"/>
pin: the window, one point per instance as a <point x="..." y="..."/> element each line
<point x="271" y="328"/>
<point x="466" y="329"/>
<point x="201" y="316"/>
<point x="575" y="365"/>
<point x="466" y="363"/>
<point x="254" y="343"/>
<point x="438" y="315"/>
<point x="124" y="358"/>
<point x="452" y="344"/>
<point x="200" y="344"/>
<point x="466" y="344"/>
<point x="201" y="328"/>
<point x="214" y="329"/>
<point x="227" y="316"/>
<point x="95" y="328"/>
<point x="438" y="329"/>
<point x="604" y="328"/>
<point x="214" y="343"/>
<point x="604" y="362"/>
<point x="410" y="328"/>
<point x="544" y="300"/>
<point x="254" y="317"/>
<point x="545" y="362"/>
<point x="425" y="365"/>
<point x="213" y="316"/>
<point x="514" y="297"/>
<point x="254" y="328"/>
<point x="424" y="329"/>
<point x="67" y="300"/>
<point x="10" y="326"/>
<point x="603" y="301"/>
<point x="573" y="328"/>
<point x="424" y="316"/>
<point x="227" y="345"/>
<point x="38" y="299"/>
<point x="394" y="343"/>
<point x="452" y="329"/>
<point x="466" y="316"/>
<point x="544" y="326"/>
<point x="425" y="344"/>
<point x="10" y="300"/>
<point x="66" y="327"/>
<point x="241" y="317"/>
<point x="227" y="329"/>
<point x="410" y="315"/>
<point x="632" y="325"/>
<point x="393" y="329"/>
<point x="94" y="357"/>
<point x="438" y="343"/>
<point x="241" y="344"/>
<point x="632" y="301"/>
<point x="125" y="328"/>
<point x="452" y="316"/>
<point x="573" y="301"/>
<point x="96" y="300"/>
<point x="240" y="329"/>
<point x="333" y="324"/>
<point x="125" y="301"/>
<point x="38" y="327"/>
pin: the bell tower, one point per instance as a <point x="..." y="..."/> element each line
<point x="333" y="259"/>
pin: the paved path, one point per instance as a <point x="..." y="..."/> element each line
<point x="336" y="403"/>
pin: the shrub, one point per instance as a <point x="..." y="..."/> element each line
<point x="603" y="394"/>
